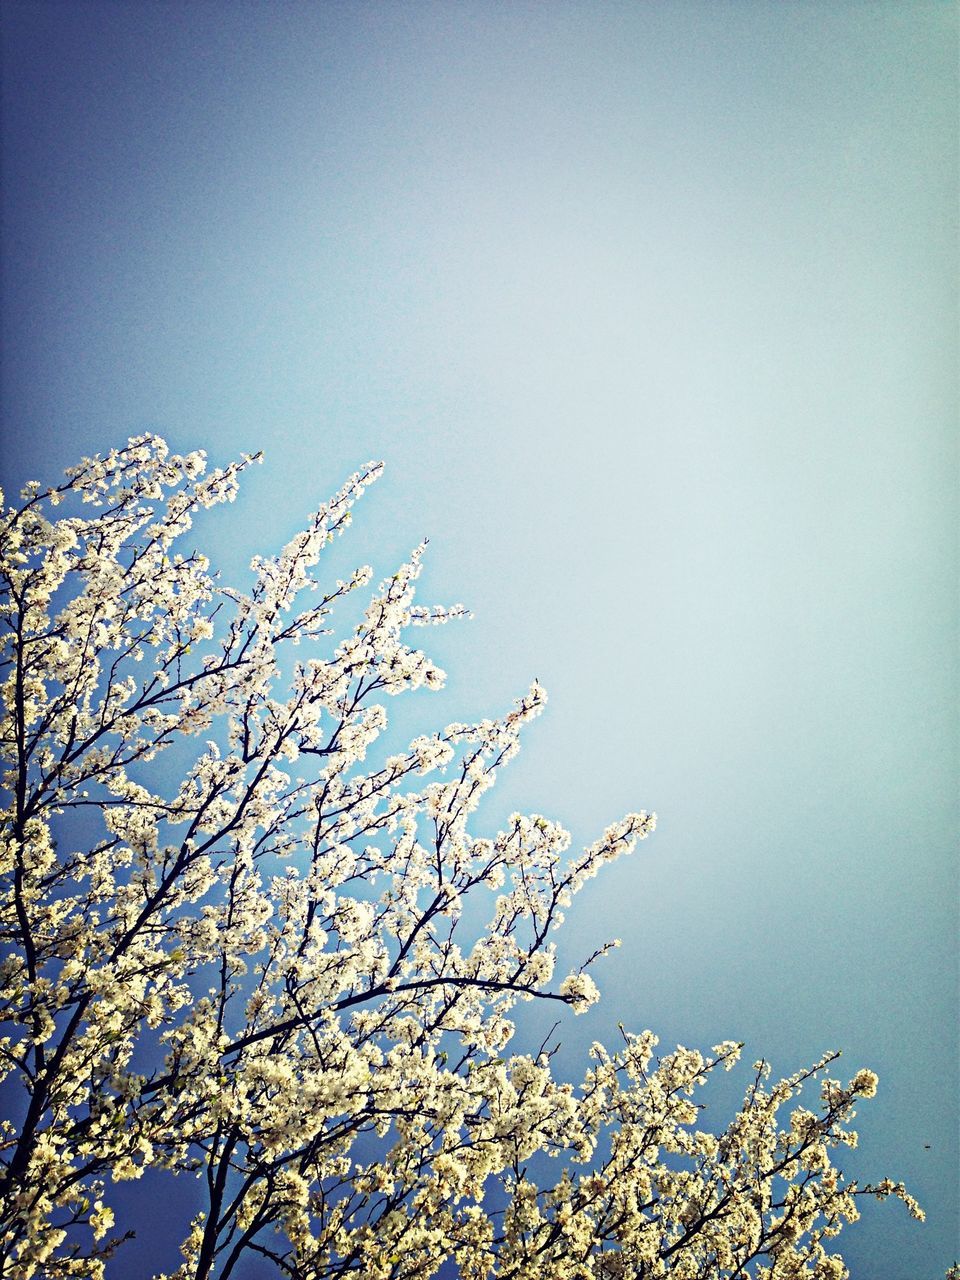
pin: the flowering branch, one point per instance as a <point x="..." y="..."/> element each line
<point x="288" y="933"/>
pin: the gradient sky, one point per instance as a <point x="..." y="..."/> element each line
<point x="651" y="310"/>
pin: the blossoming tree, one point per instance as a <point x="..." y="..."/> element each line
<point x="261" y="961"/>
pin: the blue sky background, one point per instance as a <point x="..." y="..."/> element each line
<point x="651" y="310"/>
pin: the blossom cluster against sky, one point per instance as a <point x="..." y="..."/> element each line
<point x="650" y="311"/>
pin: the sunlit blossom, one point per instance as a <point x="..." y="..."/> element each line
<point x="267" y="963"/>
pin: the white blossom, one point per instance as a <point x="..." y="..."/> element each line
<point x="264" y="964"/>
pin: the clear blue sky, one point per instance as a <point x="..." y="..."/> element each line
<point x="651" y="310"/>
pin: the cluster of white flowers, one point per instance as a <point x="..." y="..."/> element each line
<point x="276" y="925"/>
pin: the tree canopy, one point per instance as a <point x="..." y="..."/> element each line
<point x="278" y="958"/>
